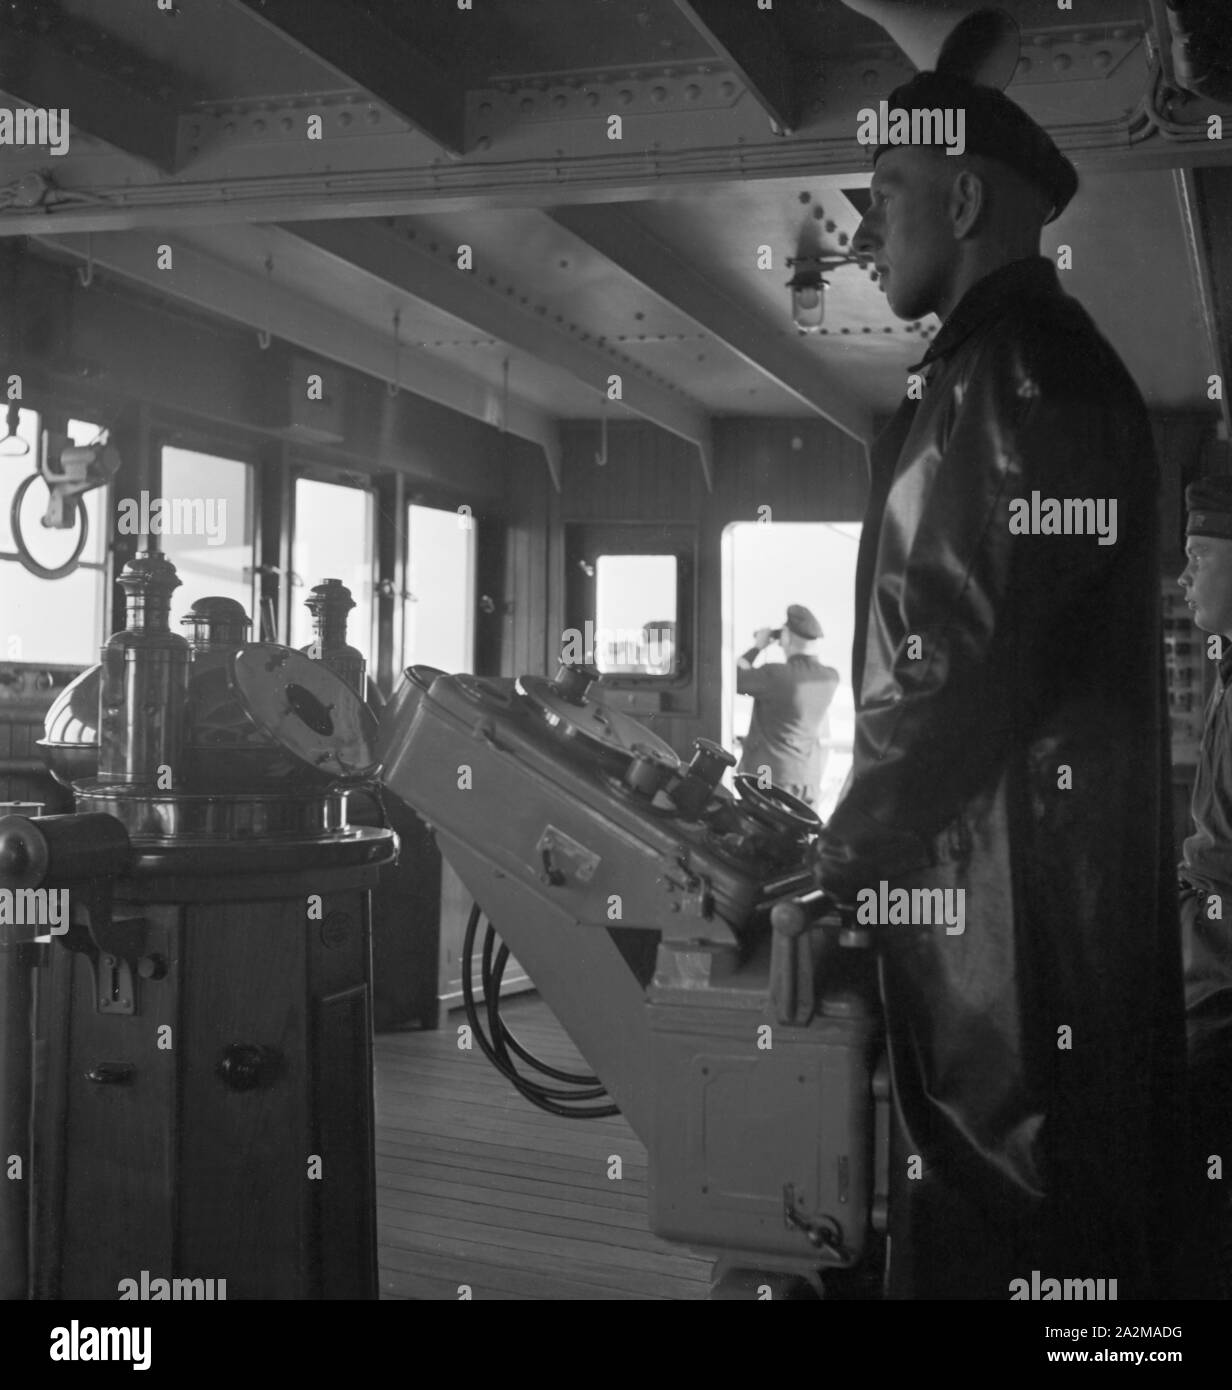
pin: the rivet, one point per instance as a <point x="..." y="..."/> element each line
<point x="805" y="196"/>
<point x="286" y="123"/>
<point x="692" y="92"/>
<point x="1062" y="62"/>
<point x="728" y="88"/>
<point x="485" y="108"/>
<point x="1024" y="66"/>
<point x="1102" y="61"/>
<point x="526" y="105"/>
<point x="372" y="116"/>
<point x="560" y="101"/>
<point x="658" y="95"/>
<point x="258" y="127"/>
<point x="871" y="79"/>
<point x="592" y="99"/>
<point x="483" y="143"/>
<point x="624" y="96"/>
<point x="344" y="118"/>
<point x="831" y="225"/>
<point x="843" y="238"/>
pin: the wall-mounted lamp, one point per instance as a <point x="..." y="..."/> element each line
<point x="808" y="288"/>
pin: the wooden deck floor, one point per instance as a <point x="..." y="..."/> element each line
<point x="476" y="1186"/>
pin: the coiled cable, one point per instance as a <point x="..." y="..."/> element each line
<point x="501" y="1043"/>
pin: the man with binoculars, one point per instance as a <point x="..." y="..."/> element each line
<point x="790" y="699"/>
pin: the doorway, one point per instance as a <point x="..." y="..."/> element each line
<point x="766" y="566"/>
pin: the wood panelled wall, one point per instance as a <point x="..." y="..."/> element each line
<point x="804" y="470"/>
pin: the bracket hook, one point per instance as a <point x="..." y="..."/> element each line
<point x="86" y="274"/>
<point x="391" y="387"/>
<point x="601" y="456"/>
<point x="264" y="335"/>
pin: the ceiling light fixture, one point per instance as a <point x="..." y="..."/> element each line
<point x="808" y="287"/>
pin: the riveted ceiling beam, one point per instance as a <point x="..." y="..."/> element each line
<point x="618" y="235"/>
<point x="365" y="53"/>
<point x="36" y="71"/>
<point x="748" y="40"/>
<point x="256" y="299"/>
<point x="549" y="146"/>
<point x="351" y="250"/>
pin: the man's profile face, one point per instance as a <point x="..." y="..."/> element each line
<point x="906" y="230"/>
<point x="1207" y="581"/>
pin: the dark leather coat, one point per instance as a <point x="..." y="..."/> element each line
<point x="1018" y="752"/>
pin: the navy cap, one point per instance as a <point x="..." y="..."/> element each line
<point x="802" y="623"/>
<point x="994" y="127"/>
<point x="1210" y="507"/>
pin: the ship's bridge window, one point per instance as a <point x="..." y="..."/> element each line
<point x="333" y="539"/>
<point x="635" y="615"/>
<point x="207" y="527"/>
<point x="439" y="613"/>
<point x="54" y="622"/>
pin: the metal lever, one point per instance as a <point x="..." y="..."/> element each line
<point x="551" y="875"/>
<point x="111" y="1073"/>
<point x="823" y="1232"/>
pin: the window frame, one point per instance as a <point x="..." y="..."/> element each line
<point x="316" y="471"/>
<point x="54" y="418"/>
<point x="619" y="538"/>
<point x="223" y="445"/>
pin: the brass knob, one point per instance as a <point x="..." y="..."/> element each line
<point x="245" y="1066"/>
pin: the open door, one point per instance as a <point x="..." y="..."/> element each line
<point x="767" y="566"/>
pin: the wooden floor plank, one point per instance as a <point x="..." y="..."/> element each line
<point x="477" y="1187"/>
<point x="486" y="1184"/>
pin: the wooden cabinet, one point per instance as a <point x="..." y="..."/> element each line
<point x="211" y="1117"/>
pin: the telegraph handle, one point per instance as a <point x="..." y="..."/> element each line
<point x="792" y="916"/>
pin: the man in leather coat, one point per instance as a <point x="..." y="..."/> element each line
<point x="1010" y="744"/>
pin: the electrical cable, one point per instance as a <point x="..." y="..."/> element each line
<point x="491" y="979"/>
<point x="497" y="1030"/>
<point x="497" y="1049"/>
